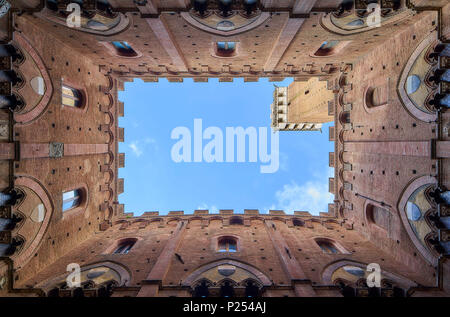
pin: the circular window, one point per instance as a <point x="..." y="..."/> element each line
<point x="412" y="84"/>
<point x="413" y="211"/>
<point x="37" y="83"/>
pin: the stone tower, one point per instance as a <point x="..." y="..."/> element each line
<point x="302" y="106"/>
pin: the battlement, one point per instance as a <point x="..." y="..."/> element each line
<point x="247" y="213"/>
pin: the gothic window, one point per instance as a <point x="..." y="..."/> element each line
<point x="124" y="246"/>
<point x="200" y="6"/>
<point x="378" y="216"/>
<point x="201" y="290"/>
<point x="52" y="5"/>
<point x="327" y="48"/>
<point x="226" y="49"/>
<point x="227" y="244"/>
<point x="71" y="97"/>
<point x="71" y="199"/>
<point x="327" y="246"/>
<point x="226" y="290"/>
<point x="123" y="49"/>
<point x="251" y="289"/>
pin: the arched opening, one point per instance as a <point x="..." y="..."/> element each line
<point x="329" y="48"/>
<point x="72" y="199"/>
<point x="71" y="97"/>
<point x="377" y="96"/>
<point x="226" y="290"/>
<point x="251" y="289"/>
<point x="201" y="290"/>
<point x="124" y="246"/>
<point x="200" y="6"/>
<point x="78" y="292"/>
<point x="298" y="223"/>
<point x="124" y="49"/>
<point x="344" y="117"/>
<point x="328" y="246"/>
<point x="378" y="216"/>
<point x="225" y="49"/>
<point x="236" y="221"/>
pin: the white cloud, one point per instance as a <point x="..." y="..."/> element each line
<point x="138" y="146"/>
<point x="213" y="209"/>
<point x="134" y="146"/>
<point x="313" y="196"/>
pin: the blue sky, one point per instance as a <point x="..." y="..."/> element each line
<point x="154" y="182"/>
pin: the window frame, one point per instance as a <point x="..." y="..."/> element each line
<point x="217" y="242"/>
<point x="84" y="193"/>
<point x="77" y="199"/>
<point x="83" y="96"/>
<point x="217" y="52"/>
<point x="125" y="245"/>
<point x="336" y="246"/>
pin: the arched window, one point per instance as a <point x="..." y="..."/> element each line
<point x="345" y="117"/>
<point x="71" y="97"/>
<point x="227" y="244"/>
<point x="201" y="290"/>
<point x="377" y="96"/>
<point x="226" y="49"/>
<point x="251" y="289"/>
<point x="297" y="223"/>
<point x="52" y="5"/>
<point x="378" y="216"/>
<point x="124" y="246"/>
<point x="72" y="199"/>
<point x="327" y="48"/>
<point x="327" y="246"/>
<point x="200" y="6"/>
<point x="123" y="49"/>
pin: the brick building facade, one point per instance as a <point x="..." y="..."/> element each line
<point x="387" y="90"/>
